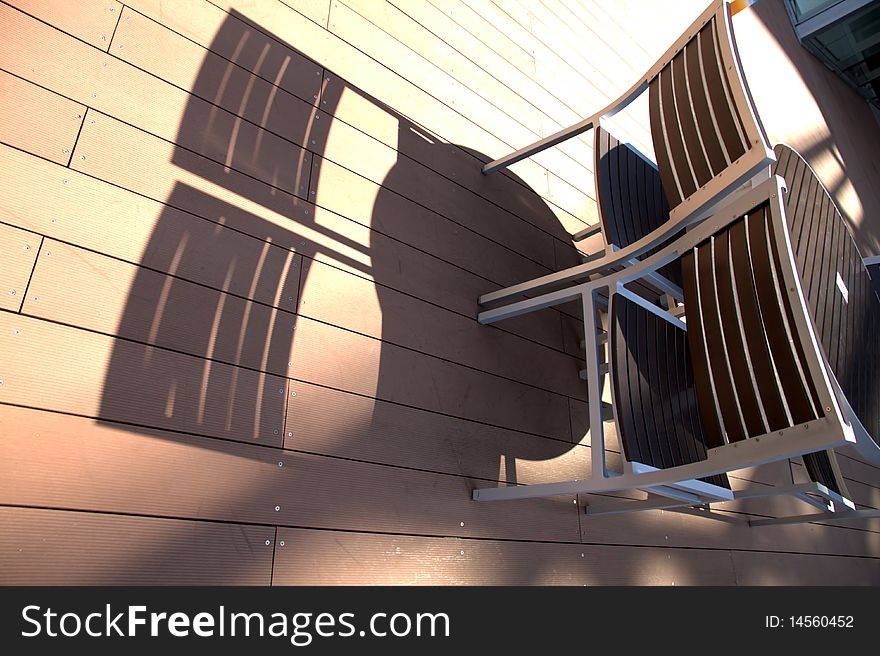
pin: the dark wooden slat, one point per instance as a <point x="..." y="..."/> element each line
<point x="620" y="378"/>
<point x="700" y="101"/>
<point x="688" y="425"/>
<point x="735" y="339"/>
<point x="621" y="183"/>
<point x="723" y="112"/>
<point x="635" y="216"/>
<point x="654" y="391"/>
<point x="654" y="351"/>
<point x="800" y="343"/>
<point x="818" y="238"/>
<point x="687" y="120"/>
<point x="603" y="182"/>
<point x="671" y="126"/>
<point x="771" y="300"/>
<point x="706" y="396"/>
<point x="654" y="430"/>
<point x="722" y="376"/>
<point x="822" y="468"/>
<point x="660" y="145"/>
<point x="759" y="351"/>
<point x="672" y="419"/>
<point x="643" y="190"/>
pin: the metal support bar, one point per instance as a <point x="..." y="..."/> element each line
<point x="619" y="507"/>
<point x="843" y="515"/>
<point x="543" y="144"/>
<point x="594" y="391"/>
<point x="818" y="434"/>
<point x="823" y="505"/>
<point x="530" y="305"/>
<point x="589" y="231"/>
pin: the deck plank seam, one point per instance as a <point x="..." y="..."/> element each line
<point x="608" y="545"/>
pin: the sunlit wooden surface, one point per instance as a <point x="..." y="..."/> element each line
<point x="241" y="244"/>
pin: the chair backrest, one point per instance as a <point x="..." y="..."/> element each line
<point x="756" y="363"/>
<point x="628" y="191"/>
<point x="655" y="401"/>
<point x="707" y="136"/>
<point x="629" y="195"/>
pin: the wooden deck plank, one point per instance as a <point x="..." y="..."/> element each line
<point x="87" y="75"/>
<point x="18" y="252"/>
<point x="395" y="404"/>
<point x="36" y="120"/>
<point x="214" y="29"/>
<point x="335" y="558"/>
<point x="250" y="335"/>
<point x="583" y="92"/>
<point x="356" y="304"/>
<point x="797" y="569"/>
<point x="51" y="547"/>
<point x="374" y="42"/>
<point x="281" y="72"/>
<point x="441" y="24"/>
<point x="343" y="192"/>
<point x="676" y="529"/>
<point x="138" y="303"/>
<point x="70" y="370"/>
<point x="331" y="422"/>
<point x="93" y="21"/>
<point x="316" y="10"/>
<point x="608" y="41"/>
<point x="388" y="87"/>
<point x="194" y="477"/>
<point x="437" y="54"/>
<point x="79" y="211"/>
<point x="363" y="365"/>
<point x="351" y="148"/>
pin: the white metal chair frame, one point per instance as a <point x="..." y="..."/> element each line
<point x="693" y="208"/>
<point x="678" y="486"/>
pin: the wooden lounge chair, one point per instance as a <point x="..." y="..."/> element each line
<point x="706" y="134"/>
<point x="742" y="382"/>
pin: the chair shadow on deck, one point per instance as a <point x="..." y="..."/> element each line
<point x="197" y="358"/>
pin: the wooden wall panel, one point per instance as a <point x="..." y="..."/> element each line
<point x="333" y="558"/>
<point x="18" y="252"/>
<point x="93" y="21"/>
<point x="50" y="547"/>
<point x="36" y="120"/>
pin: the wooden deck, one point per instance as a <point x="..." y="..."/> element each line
<point x="241" y="244"/>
